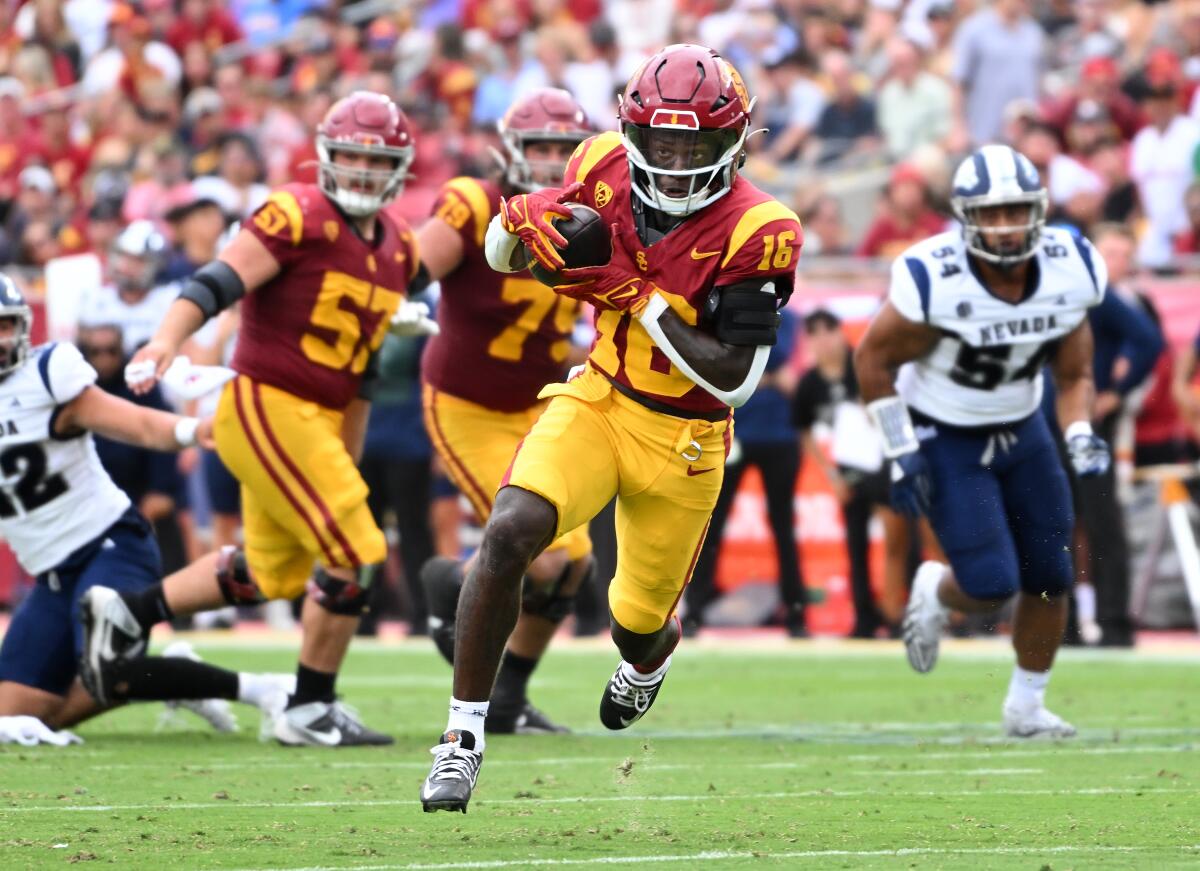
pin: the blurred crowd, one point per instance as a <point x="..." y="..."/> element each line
<point x="115" y="111"/>
<point x="139" y="132"/>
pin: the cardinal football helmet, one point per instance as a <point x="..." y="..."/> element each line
<point x="364" y="123"/>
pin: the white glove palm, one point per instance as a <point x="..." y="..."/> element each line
<point x="412" y="319"/>
<point x="30" y="731"/>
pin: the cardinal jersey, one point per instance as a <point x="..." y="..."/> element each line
<point x="503" y="337"/>
<point x="311" y="329"/>
<point x="742" y="236"/>
<point x="987" y="367"/>
<point x="55" y="497"/>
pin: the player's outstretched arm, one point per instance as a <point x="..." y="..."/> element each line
<point x="243" y="266"/>
<point x="123" y="421"/>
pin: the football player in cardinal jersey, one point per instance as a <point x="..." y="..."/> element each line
<point x="951" y="371"/>
<point x="503" y="338"/>
<point x="321" y="272"/>
<point x="72" y="528"/>
<point x="686" y="312"/>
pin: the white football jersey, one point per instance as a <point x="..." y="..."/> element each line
<point x="138" y="321"/>
<point x="987" y="367"/>
<point x="55" y="496"/>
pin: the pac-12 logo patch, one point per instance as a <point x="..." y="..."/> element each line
<point x="603" y="195"/>
<point x="331" y="230"/>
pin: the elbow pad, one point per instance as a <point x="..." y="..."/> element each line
<point x="736" y="397"/>
<point x="746" y="313"/>
<point x="213" y="288"/>
<point x="499" y="245"/>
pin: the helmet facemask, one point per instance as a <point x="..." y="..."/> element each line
<point x="526" y="175"/>
<point x="679" y="170"/>
<point x="360" y="191"/>
<point x="970" y="211"/>
<point x="14" y="347"/>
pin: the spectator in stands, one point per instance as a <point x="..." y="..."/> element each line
<point x="1188" y="241"/>
<point x="824" y="229"/>
<point x="792" y="115"/>
<point x="497" y="88"/>
<point x="828" y="396"/>
<point x="767" y="441"/>
<point x="196" y="225"/>
<point x="1162" y="162"/>
<point x="132" y="60"/>
<point x="1109" y="159"/>
<point x="915" y="106"/>
<point x="846" y="126"/>
<point x="1076" y="193"/>
<point x="595" y="79"/>
<point x="204" y="22"/>
<point x="56" y="148"/>
<point x="1089" y="37"/>
<point x="237" y="186"/>
<point x="904" y="218"/>
<point x="998" y="57"/>
<point x="163" y="167"/>
<point x="1099" y="84"/>
<point x="35" y="204"/>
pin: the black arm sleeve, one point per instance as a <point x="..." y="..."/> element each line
<point x="213" y="288"/>
<point x="746" y="313"/>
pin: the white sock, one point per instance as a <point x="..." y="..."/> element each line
<point x="1028" y="688"/>
<point x="634" y="676"/>
<point x="468" y="717"/>
<point x="252" y="689"/>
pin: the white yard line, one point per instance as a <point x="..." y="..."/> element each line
<point x="756" y="855"/>
<point x="1052" y="749"/>
<point x="348" y="804"/>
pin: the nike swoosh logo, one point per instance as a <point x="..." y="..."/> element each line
<point x="426" y="791"/>
<point x="627" y="723"/>
<point x="694" y="472"/>
<point x="703" y="255"/>
<point x="329" y="739"/>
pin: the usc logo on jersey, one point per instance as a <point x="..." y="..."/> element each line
<point x="603" y="195"/>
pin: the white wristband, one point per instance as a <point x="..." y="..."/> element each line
<point x="185" y="431"/>
<point x="1078" y="428"/>
<point x="891" y="418"/>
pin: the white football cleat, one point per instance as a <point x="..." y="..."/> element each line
<point x="325" y="724"/>
<point x="924" y="617"/>
<point x="218" y="713"/>
<point x="1035" y="722"/>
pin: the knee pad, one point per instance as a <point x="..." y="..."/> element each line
<point x="550" y="601"/>
<point x="344" y="598"/>
<point x="233" y="577"/>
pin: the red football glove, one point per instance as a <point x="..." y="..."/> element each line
<point x="619" y="284"/>
<point x="527" y="217"/>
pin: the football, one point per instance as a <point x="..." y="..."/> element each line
<point x="589" y="243"/>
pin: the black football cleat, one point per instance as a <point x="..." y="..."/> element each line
<point x="111" y="637"/>
<point x="442" y="579"/>
<point x="522" y="719"/>
<point x="625" y="702"/>
<point x="326" y="724"/>
<point x="456" y="765"/>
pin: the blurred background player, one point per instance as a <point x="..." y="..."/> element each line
<point x="72" y="528"/>
<point x="503" y="338"/>
<point x="686" y="312"/>
<point x="971" y="318"/>
<point x="321" y="273"/>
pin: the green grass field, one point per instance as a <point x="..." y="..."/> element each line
<point x="802" y="756"/>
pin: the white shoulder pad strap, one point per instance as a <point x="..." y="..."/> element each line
<point x="498" y="247"/>
<point x="64" y="372"/>
<point x="736" y="397"/>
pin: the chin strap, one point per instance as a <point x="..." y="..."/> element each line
<point x="736" y="397"/>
